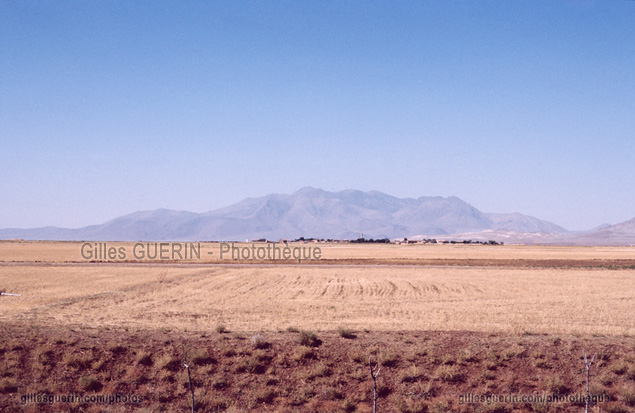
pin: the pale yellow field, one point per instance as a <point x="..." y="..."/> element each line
<point x="52" y="251"/>
<point x="273" y="297"/>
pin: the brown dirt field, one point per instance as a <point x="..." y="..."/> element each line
<point x="422" y="371"/>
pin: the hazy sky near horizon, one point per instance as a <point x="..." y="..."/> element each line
<point x="111" y="107"/>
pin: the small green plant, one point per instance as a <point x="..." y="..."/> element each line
<point x="221" y="329"/>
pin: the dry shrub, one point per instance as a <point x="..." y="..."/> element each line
<point x="169" y="362"/>
<point x="388" y="359"/>
<point x="258" y="341"/>
<point x="606" y="379"/>
<point x="410" y="375"/>
<point x="332" y="394"/>
<point x="265" y="396"/>
<point x="303" y="353"/>
<point x="410" y="405"/>
<point x="201" y="357"/>
<point x="345" y="332"/>
<point x="615" y="408"/>
<point x="228" y="352"/>
<point x="349" y="405"/>
<point x="89" y="383"/>
<point x="44" y="357"/>
<point x="619" y="367"/>
<point x="77" y="361"/>
<point x="309" y="339"/>
<point x="466" y="356"/>
<point x="219" y="382"/>
<point x="450" y="374"/>
<point x="8" y="385"/>
<point x="144" y="358"/>
<point x="627" y="396"/>
<point x="318" y="370"/>
<point x="497" y="408"/>
<point x="447" y="359"/>
<point x="250" y="365"/>
<point x="116" y="348"/>
<point x="540" y="361"/>
<point x="556" y="385"/>
<point x="358" y="357"/>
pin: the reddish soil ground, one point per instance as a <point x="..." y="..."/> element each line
<point x="295" y="371"/>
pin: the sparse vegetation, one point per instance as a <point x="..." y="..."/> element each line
<point x="449" y="373"/>
<point x="345" y="332"/>
<point x="89" y="383"/>
<point x="169" y="362"/>
<point x="8" y="385"/>
<point x="104" y="351"/>
<point x="258" y="341"/>
<point x="309" y="339"/>
<point x="144" y="358"/>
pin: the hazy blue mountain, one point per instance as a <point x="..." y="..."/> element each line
<point x="309" y="212"/>
<point x="618" y="234"/>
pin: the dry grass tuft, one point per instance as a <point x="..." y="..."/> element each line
<point x="309" y="339"/>
<point x="169" y="362"/>
<point x="8" y="385"/>
<point x="345" y="332"/>
<point x="450" y="374"/>
<point x="89" y="383"/>
<point x="258" y="341"/>
<point x="144" y="358"/>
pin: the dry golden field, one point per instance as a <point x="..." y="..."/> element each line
<point x="55" y="251"/>
<point x="573" y="291"/>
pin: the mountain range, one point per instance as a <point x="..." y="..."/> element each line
<point x="315" y="213"/>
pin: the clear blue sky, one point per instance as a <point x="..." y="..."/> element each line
<point x="111" y="107"/>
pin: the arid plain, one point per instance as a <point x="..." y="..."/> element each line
<point x="514" y="289"/>
<point x="444" y="320"/>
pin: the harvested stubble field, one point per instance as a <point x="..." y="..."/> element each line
<point x="490" y="301"/>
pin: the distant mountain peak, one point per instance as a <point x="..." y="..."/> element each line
<point x="308" y="212"/>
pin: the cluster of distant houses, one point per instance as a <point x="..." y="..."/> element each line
<point x="363" y="240"/>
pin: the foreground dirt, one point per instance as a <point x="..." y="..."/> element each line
<point x="288" y="371"/>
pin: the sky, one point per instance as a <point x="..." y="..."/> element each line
<point x="112" y="107"/>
